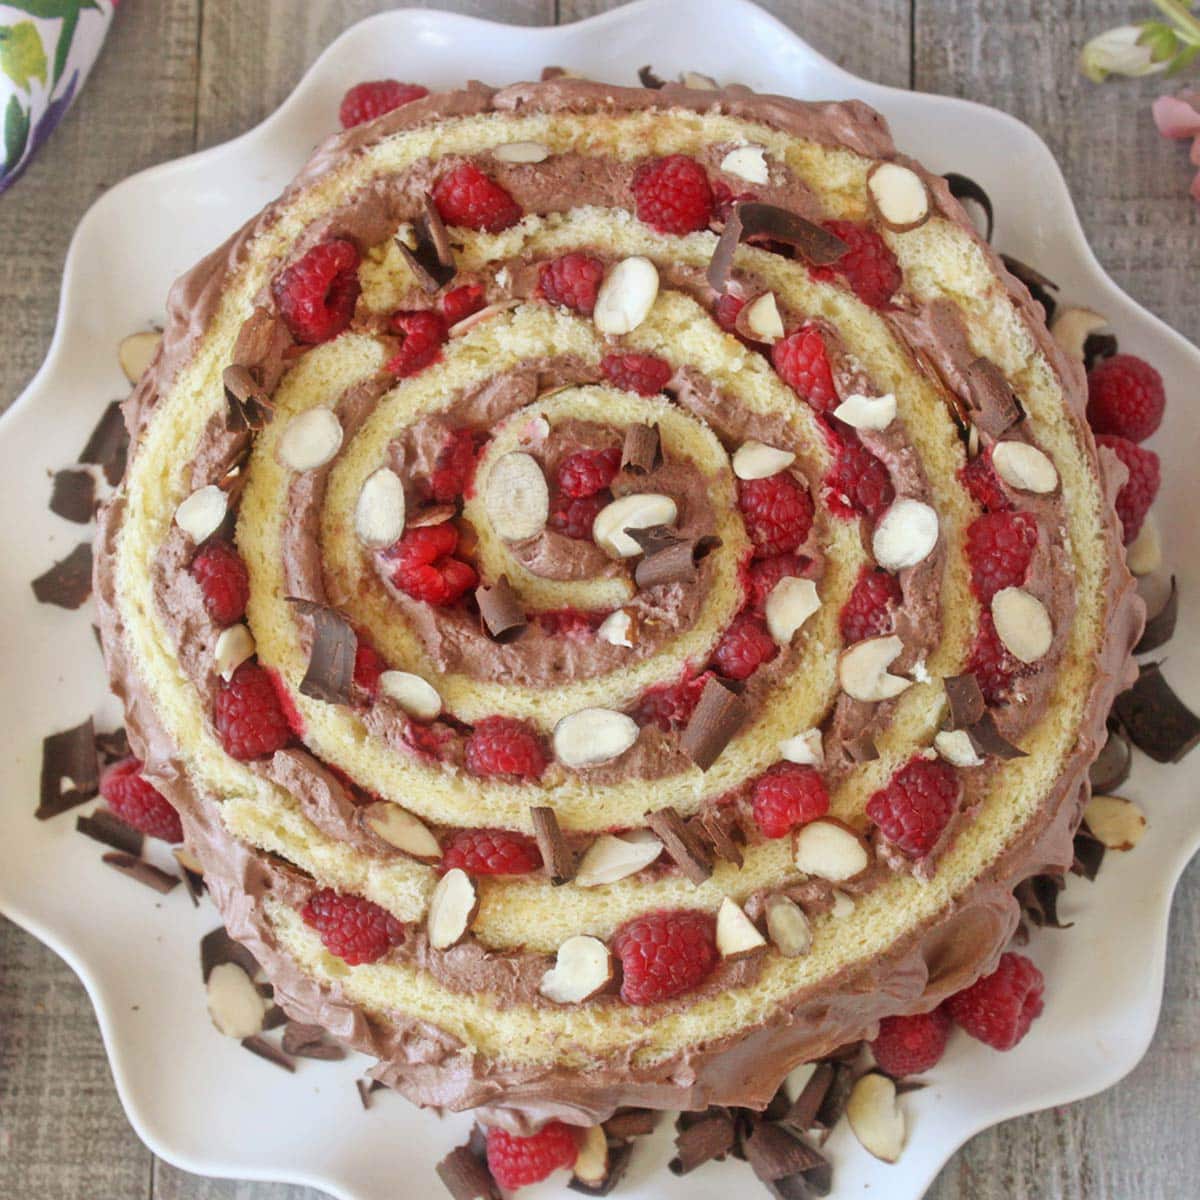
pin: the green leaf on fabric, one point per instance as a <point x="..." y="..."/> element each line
<point x="21" y="55"/>
<point x="52" y="9"/>
<point x="16" y="132"/>
<point x="66" y="35"/>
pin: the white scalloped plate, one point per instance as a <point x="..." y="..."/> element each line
<point x="201" y="1101"/>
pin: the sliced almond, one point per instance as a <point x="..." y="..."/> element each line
<point x="698" y="82"/>
<point x="899" y="195"/>
<point x="1071" y="328"/>
<point x="1115" y="821"/>
<point x="748" y="163"/>
<point x="135" y="352"/>
<point x="201" y="514"/>
<point x="484" y="314"/>
<point x="788" y="926"/>
<point x="1143" y="556"/>
<point x="863" y="669"/>
<point x="234" y="645"/>
<point x="452" y="908"/>
<point x="310" y="440"/>
<point x="875" y="1116"/>
<point x="517" y="498"/>
<point x="610" y="858"/>
<point x="521" y="152"/>
<point x="626" y="296"/>
<point x="617" y="629"/>
<point x="582" y="968"/>
<point x="639" y="510"/>
<point x="400" y="828"/>
<point x="867" y="412"/>
<point x="187" y="860"/>
<point x="805" y="748"/>
<point x="956" y="748"/>
<point x="591" y="1165"/>
<point x="737" y="935"/>
<point x="790" y="603"/>
<point x="379" y="512"/>
<point x="593" y="735"/>
<point x="829" y="850"/>
<point x="1024" y="467"/>
<point x="843" y="906"/>
<point x="537" y="429"/>
<point x="416" y="696"/>
<point x="1022" y="623"/>
<point x="761" y="319"/>
<point x="756" y="460"/>
<point x="905" y="535"/>
<point x="234" y="1003"/>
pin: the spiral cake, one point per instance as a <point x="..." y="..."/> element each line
<point x="683" y="595"/>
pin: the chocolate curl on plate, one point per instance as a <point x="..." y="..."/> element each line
<point x="268" y="1051"/>
<point x="309" y="1041"/>
<point x="68" y="583"/>
<point x="717" y="717"/>
<point x="74" y="495"/>
<point x="752" y="218"/>
<point x="137" y="869"/>
<point x="465" y="1175"/>
<point x="330" y="672"/>
<point x="1160" y="628"/>
<point x="689" y="853"/>
<point x="502" y="611"/>
<point x="108" y="445"/>
<point x="432" y="262"/>
<point x="106" y="827"/>
<point x="649" y="79"/>
<point x="70" y="770"/>
<point x="701" y="1138"/>
<point x="556" y="854"/>
<point x="1155" y="719"/>
<point x="963" y="187"/>
<point x="641" y="451"/>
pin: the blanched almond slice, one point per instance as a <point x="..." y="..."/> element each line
<point x="593" y="735"/>
<point x="484" y="314"/>
<point x="617" y="629"/>
<point x="1143" y="556"/>
<point x="591" y="1165"/>
<point x="843" y="906"/>
<point x="863" y="669"/>
<point x="186" y="859"/>
<point x="1022" y="623"/>
<point x="756" y="460"/>
<point x="398" y="827"/>
<point x="310" y="440"/>
<point x="899" y="196"/>
<point x="640" y="510"/>
<point x="737" y="935"/>
<point x="379" y="512"/>
<point x="135" y="352"/>
<point x="416" y="696"/>
<point x="521" y="152"/>
<point x="1024" y="467"/>
<point x="1072" y="326"/>
<point x="582" y="968"/>
<point x="805" y="749"/>
<point x="829" y="850"/>
<point x="1115" y="821"/>
<point x="234" y="1003"/>
<point x="234" y="645"/>
<point x="761" y="317"/>
<point x="626" y="296"/>
<point x="517" y="498"/>
<point x="867" y="412"/>
<point x="452" y="908"/>
<point x="201" y="514"/>
<point x="790" y="603"/>
<point x="748" y="163"/>
<point x="875" y="1117"/>
<point x="698" y="82"/>
<point x="905" y="535"/>
<point x="610" y="858"/>
<point x="956" y="748"/>
<point x="788" y="926"/>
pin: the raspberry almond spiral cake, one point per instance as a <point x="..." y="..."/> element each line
<point x="619" y="589"/>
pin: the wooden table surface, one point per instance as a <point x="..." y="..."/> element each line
<point x="180" y="75"/>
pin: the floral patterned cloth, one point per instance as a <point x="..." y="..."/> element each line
<point x="47" y="48"/>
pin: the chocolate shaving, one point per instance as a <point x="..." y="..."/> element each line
<point x="330" y="672"/>
<point x="833" y="1106"/>
<point x="73" y="496"/>
<point x="1112" y="765"/>
<point x="1038" y="898"/>
<point x="775" y="1153"/>
<point x="1160" y="628"/>
<point x="965" y="698"/>
<point x="754" y="219"/>
<point x="69" y="582"/>
<point x="682" y="844"/>
<point x="1155" y="719"/>
<point x="631" y="1123"/>
<point x="432" y="262"/>
<point x="994" y="405"/>
<point x="963" y="187"/>
<point x="217" y="947"/>
<point x="1097" y="346"/>
<point x="70" y="758"/>
<point x="619" y="1157"/>
<point x="108" y="446"/>
<point x="107" y="827"/>
<point x="861" y="749"/>
<point x="309" y="1041"/>
<point x="715" y="826"/>
<point x="714" y="721"/>
<point x="273" y="1018"/>
<point x="502" y="611"/>
<point x="465" y="1175"/>
<point x="141" y="871"/>
<point x="802" y="1115"/>
<point x="986" y="738"/>
<point x="710" y="1135"/>
<point x="269" y="1051"/>
<point x="557" y="858"/>
<point x="249" y="405"/>
<point x="641" y="451"/>
<point x="112" y="746"/>
<point x="675" y="561"/>
<point x="1038" y="284"/>
<point x="366" y="1089"/>
<point x="1089" y="854"/>
<point x="193" y="884"/>
<point x="649" y="79"/>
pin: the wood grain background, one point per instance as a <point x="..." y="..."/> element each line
<point x="179" y="75"/>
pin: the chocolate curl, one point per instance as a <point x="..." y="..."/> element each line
<point x="710" y="1135"/>
<point x="986" y="737"/>
<point x="752" y="218"/>
<point x="108" y="445"/>
<point x="1155" y="719"/>
<point x="673" y="561"/>
<point x="432" y="262"/>
<point x="366" y="1089"/>
<point x="68" y="583"/>
<point x="73" y="496"/>
<point x="330" y="672"/>
<point x="802" y="1115"/>
<point x="649" y="79"/>
<point x="1113" y="764"/>
<point x="70" y="758"/>
<point x="963" y="187"/>
<point x="1160" y="628"/>
<point x="861" y="749"/>
<point x="466" y="1177"/>
<point x="141" y="871"/>
<point x="1038" y="898"/>
<point x="106" y="827"/>
<point x="502" y="611"/>
<point x="1097" y="346"/>
<point x="1038" y="284"/>
<point x="775" y="1154"/>
<point x="309" y="1041"/>
<point x="556" y="854"/>
<point x="217" y="947"/>
<point x="994" y="405"/>
<point x="716" y="718"/>
<point x="249" y="406"/>
<point x="681" y="843"/>
<point x="715" y="826"/>
<point x="1089" y="854"/>
<point x="631" y="1123"/>
<point x="271" y="1053"/>
<point x="112" y="746"/>
<point x="965" y="698"/>
<point x="641" y="451"/>
<point x="619" y="1157"/>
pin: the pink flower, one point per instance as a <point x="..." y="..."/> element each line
<point x="1179" y="117"/>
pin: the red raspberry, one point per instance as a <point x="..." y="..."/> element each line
<point x="587" y="472"/>
<point x="366" y="101"/>
<point x="423" y="332"/>
<point x="316" y="295"/>
<point x="672" y="194"/>
<point x="425" y="568"/>
<point x="764" y="573"/>
<point x="466" y="196"/>
<point x="1125" y="397"/>
<point x="516" y="1161"/>
<point x="222" y="576"/>
<point x="869" y="267"/>
<point x="461" y="302"/>
<point x="726" y="311"/>
<point x="1138" y="492"/>
<point x="786" y="796"/>
<point x="991" y="663"/>
<point x="670" y="705"/>
<point x="913" y="808"/>
<point x="745" y="646"/>
<point x="454" y="468"/>
<point x="980" y="479"/>
<point x="368" y="666"/>
<point x="724" y="198"/>
<point x="664" y="954"/>
<point x="287" y="703"/>
<point x="1000" y="548"/>
<point x="777" y="511"/>
<point x="575" y="517"/>
<point x="802" y="363"/>
<point x="911" y="1045"/>
<point x="570" y="622"/>
<point x="505" y="746"/>
<point x="250" y="721"/>
<point x="138" y="802"/>
<point x="426" y="741"/>
<point x="352" y="927"/>
<point x="869" y="610"/>
<point x="641" y="373"/>
<point x="859" y="483"/>
<point x="999" y="1008"/>
<point x="492" y="852"/>
<point x="572" y="281"/>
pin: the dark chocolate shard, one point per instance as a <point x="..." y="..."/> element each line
<point x="432" y="262"/>
<point x="963" y="187"/>
<point x="774" y="1153"/>
<point x="641" y="451"/>
<point x="502" y="611"/>
<point x="649" y="79"/>
<point x="709" y="1135"/>
<point x="994" y="407"/>
<point x="802" y="1116"/>
<point x="1097" y="346"/>
<point x="1156" y="721"/>
<point x="366" y="1089"/>
<point x="861" y="749"/>
<point x="309" y="1041"/>
<point x="217" y="947"/>
<point x="986" y="737"/>
<point x="754" y="219"/>
<point x="1113" y="763"/>
<point x="673" y="561"/>
<point x="1089" y="854"/>
<point x="465" y="1175"/>
<point x="106" y="827"/>
<point x="717" y="717"/>
<point x="274" y="1018"/>
<point x="108" y="446"/>
<point x="965" y="698"/>
<point x="112" y="746"/>
<point x="137" y="869"/>
<point x="70" y="770"/>
<point x="557" y="859"/>
<point x="1038" y="898"/>
<point x="1160" y="628"/>
<point x="833" y="1106"/>
<point x="619" y="1157"/>
<point x="193" y="884"/>
<point x="73" y="496"/>
<point x="682" y="844"/>
<point x="249" y="406"/>
<point x="632" y="1122"/>
<point x="330" y="673"/>
<point x="68" y="583"/>
<point x="1038" y="284"/>
<point x="717" y="825"/>
<point x="269" y="1051"/>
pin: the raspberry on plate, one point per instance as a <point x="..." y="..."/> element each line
<point x="466" y="196"/>
<point x="586" y="472"/>
<point x="785" y="796"/>
<point x="778" y="513"/>
<point x="505" y="746"/>
<point x="762" y="574"/>
<point x="673" y="194"/>
<point x="576" y="517"/>
<point x="870" y="609"/>
<point x="491" y="852"/>
<point x="664" y="954"/>
<point x="801" y="361"/>
<point x="980" y="479"/>
<point x="869" y="267"/>
<point x="423" y="333"/>
<point x="1000" y="548"/>
<point x="426" y="568"/>
<point x="914" y="806"/>
<point x="642" y="373"/>
<point x="516" y="1161"/>
<point x="572" y="281"/>
<point x="316" y="295"/>
<point x="219" y="570"/>
<point x="454" y="467"/>
<point x="138" y="802"/>
<point x="352" y="927"/>
<point x="744" y="647"/>
<point x="366" y="101"/>
<point x="999" y="1008"/>
<point x="1138" y="492"/>
<point x="1125" y="397"/>
<point x="670" y="705"/>
<point x="461" y="302"/>
<point x="859" y="483"/>
<point x="911" y="1045"/>
<point x="250" y="720"/>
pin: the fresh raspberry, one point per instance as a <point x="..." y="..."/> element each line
<point x="250" y="721"/>
<point x="745" y="646"/>
<point x="461" y="302"/>
<point x="423" y="332"/>
<point x="726" y="311"/>
<point x="222" y="576"/>
<point x="913" y="808"/>
<point x="466" y="196"/>
<point x="670" y="705"/>
<point x="981" y="481"/>
<point x="991" y="663"/>
<point x="724" y="198"/>
<point x="1000" y="548"/>
<point x="869" y="610"/>
<point x="427" y="742"/>
<point x="368" y="666"/>
<point x="352" y="927"/>
<point x="287" y="703"/>
<point x="859" y="483"/>
<point x="425" y="567"/>
<point x="570" y="622"/>
<point x="492" y="852"/>
<point x="587" y="472"/>
<point x="999" y="1008"/>
<point x="802" y="363"/>
<point x="366" y="101"/>
<point x="505" y="746"/>
<point x="641" y="373"/>
<point x="572" y="281"/>
<point x="516" y="1161"/>
<point x="786" y="796"/>
<point x="911" y="1045"/>
<point x="138" y="802"/>
<point x="316" y="295"/>
<point x="1138" y="492"/>
<point x="575" y="517"/>
<point x="454" y="467"/>
<point x="777" y="511"/>
<point x="869" y="267"/>
<point x="664" y="954"/>
<point x="1125" y="397"/>
<point x="764" y="573"/>
<point x="673" y="194"/>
